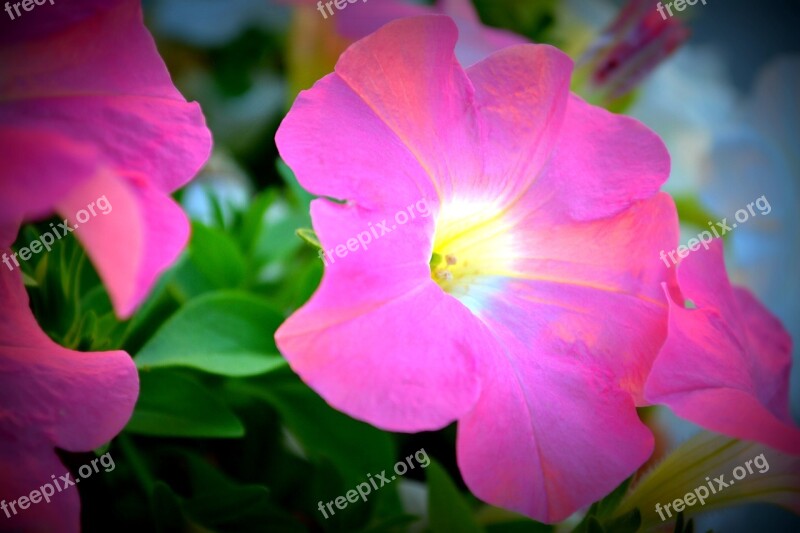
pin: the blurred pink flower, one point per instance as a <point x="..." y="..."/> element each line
<point x="51" y="397"/>
<point x="87" y="109"/>
<point x="725" y="364"/>
<point x="528" y="306"/>
<point x="476" y="40"/>
<point x="634" y="44"/>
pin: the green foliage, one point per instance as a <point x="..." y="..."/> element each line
<point x="220" y="333"/>
<point x="355" y="448"/>
<point x="174" y="405"/>
<point x="692" y="212"/>
<point x="212" y="501"/>
<point x="217" y="257"/>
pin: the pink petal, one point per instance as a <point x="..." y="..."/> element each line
<point x="44" y="165"/>
<point x="338" y="344"/>
<point x="52" y="397"/>
<point x="154" y="228"/>
<point x="580" y="328"/>
<point x="88" y="104"/>
<point x="550" y="434"/>
<point x="581" y="270"/>
<point x="768" y="338"/>
<point x="162" y="139"/>
<point x="329" y="117"/>
<point x="522" y="94"/>
<point x="421" y="94"/>
<point x="725" y="365"/>
<point x="24" y="468"/>
<point x="476" y="40"/>
<point x="603" y="163"/>
<point x="367" y="112"/>
<point x="79" y="83"/>
<point x="55" y="17"/>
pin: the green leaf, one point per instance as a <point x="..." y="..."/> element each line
<point x="253" y="219"/>
<point x="159" y="306"/>
<point x="692" y="212"/>
<point x="324" y="433"/>
<point x="277" y="238"/>
<point x="219" y="503"/>
<point x="225" y="333"/>
<point x="172" y="405"/>
<point x="214" y="261"/>
<point x="310" y="236"/>
<point x="217" y="256"/>
<point x="448" y="511"/>
<point x="187" y="282"/>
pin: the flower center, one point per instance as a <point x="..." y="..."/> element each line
<point x="473" y="242"/>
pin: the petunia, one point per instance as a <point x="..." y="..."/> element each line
<point x="725" y="363"/>
<point x="527" y="306"/>
<point x="51" y="397"/>
<point x="88" y="110"/>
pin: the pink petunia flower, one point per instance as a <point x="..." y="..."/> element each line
<point x="51" y="397"/>
<point x="476" y="40"/>
<point x="528" y="307"/>
<point x="87" y="109"/>
<point x="725" y="364"/>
